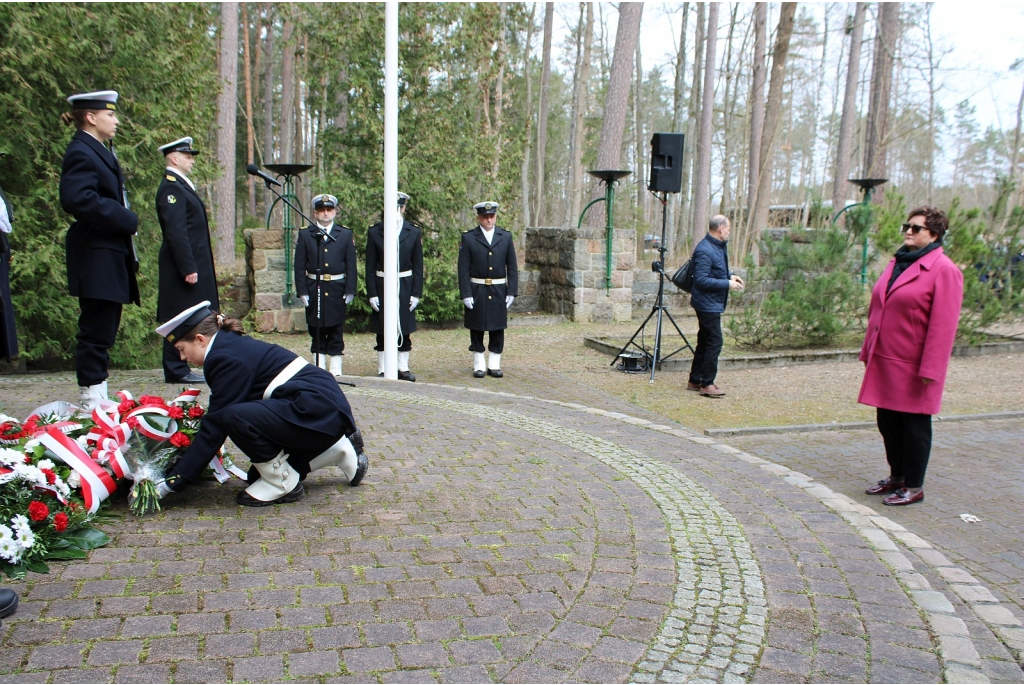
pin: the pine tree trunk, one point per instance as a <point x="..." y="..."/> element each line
<point x="268" y="156"/>
<point x="227" y="103"/>
<point x="756" y="116"/>
<point x="613" y="127"/>
<point x="702" y="173"/>
<point x="524" y="169"/>
<point x="685" y="215"/>
<point x="542" y="114"/>
<point x="772" y="114"/>
<point x="678" y="112"/>
<point x="840" y="187"/>
<point x="499" y="90"/>
<point x="249" y="133"/>
<point x="881" y="92"/>
<point x="287" y="132"/>
<point x="580" y="93"/>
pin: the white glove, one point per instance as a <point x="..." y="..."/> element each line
<point x="508" y="300"/>
<point x="304" y="299"/>
<point x="349" y="298"/>
<point x="375" y="303"/>
<point x="162" y="490"/>
<point x="413" y="301"/>
<point x="468" y="301"/>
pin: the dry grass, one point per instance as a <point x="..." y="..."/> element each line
<point x="550" y="361"/>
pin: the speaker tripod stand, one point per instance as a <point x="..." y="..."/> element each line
<point x="654" y="356"/>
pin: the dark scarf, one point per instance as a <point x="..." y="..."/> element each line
<point x="905" y="258"/>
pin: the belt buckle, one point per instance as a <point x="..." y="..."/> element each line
<point x="487" y="281"/>
<point x="325" y="277"/>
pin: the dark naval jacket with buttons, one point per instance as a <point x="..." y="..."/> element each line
<point x="238" y="370"/>
<point x="480" y="260"/>
<point x="100" y="261"/>
<point x="338" y="277"/>
<point x="410" y="258"/>
<point x="185" y="250"/>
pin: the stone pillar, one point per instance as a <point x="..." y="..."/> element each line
<point x="265" y="269"/>
<point x="571" y="272"/>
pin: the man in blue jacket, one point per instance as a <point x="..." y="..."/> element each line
<point x="711" y="285"/>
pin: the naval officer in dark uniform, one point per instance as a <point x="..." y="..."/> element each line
<point x="410" y="285"/>
<point x="488" y="283"/>
<point x="288" y="416"/>
<point x="187" y="275"/>
<point x="101" y="259"/>
<point x="336" y="260"/>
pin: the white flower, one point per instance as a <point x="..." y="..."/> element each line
<point x="83" y="442"/>
<point x="4" y="418"/>
<point x="44" y="464"/>
<point x="9" y="551"/>
<point x="26" y="539"/>
<point x="61" y="487"/>
<point x="74" y="480"/>
<point x="20" y="525"/>
<point x="30" y="473"/>
<point x="9" y="457"/>
<point x="5" y="533"/>
<point x="31" y="444"/>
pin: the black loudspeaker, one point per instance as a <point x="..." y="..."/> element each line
<point x="666" y="163"/>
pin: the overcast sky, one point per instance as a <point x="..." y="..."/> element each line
<point x="985" y="39"/>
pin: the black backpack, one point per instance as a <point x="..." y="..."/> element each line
<point x="683" y="277"/>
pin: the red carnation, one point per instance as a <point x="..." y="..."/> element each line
<point x="176" y="412"/>
<point x="37" y="511"/>
<point x="180" y="440"/>
<point x="51" y="477"/>
<point x="133" y="422"/>
<point x="28" y="459"/>
<point x="60" y="522"/>
<point x="125" y="407"/>
<point x="195" y="412"/>
<point x="152" y="400"/>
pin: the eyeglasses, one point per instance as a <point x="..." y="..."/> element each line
<point x="912" y="228"/>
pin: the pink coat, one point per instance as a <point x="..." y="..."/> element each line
<point x="910" y="335"/>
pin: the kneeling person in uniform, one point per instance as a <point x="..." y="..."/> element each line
<point x="488" y="283"/>
<point x="332" y="248"/>
<point x="288" y="416"/>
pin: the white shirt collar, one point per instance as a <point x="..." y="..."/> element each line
<point x="209" y="345"/>
<point x="185" y="178"/>
<point x="489" y="235"/>
<point x="327" y="228"/>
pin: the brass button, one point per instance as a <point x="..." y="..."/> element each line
<point x="326" y="264"/>
<point x="489" y="297"/>
<point x="490" y="253"/>
<point x="490" y="268"/>
<point x="325" y="249"/>
<point x="326" y="294"/>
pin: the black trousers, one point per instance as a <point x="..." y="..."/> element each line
<point x="908" y="444"/>
<point x="175" y="367"/>
<point x="495" y="341"/>
<point x="404" y="342"/>
<point x="332" y="339"/>
<point x="704" y="368"/>
<point x="262" y="434"/>
<point x="97" y="331"/>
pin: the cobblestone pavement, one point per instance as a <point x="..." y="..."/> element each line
<point x="509" y="538"/>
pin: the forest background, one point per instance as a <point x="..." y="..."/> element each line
<point x="780" y="104"/>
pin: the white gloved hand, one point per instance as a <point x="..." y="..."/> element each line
<point x="508" y="300"/>
<point x="468" y="301"/>
<point x="413" y="302"/>
<point x="349" y="298"/>
<point x="375" y="303"/>
<point x="304" y="299"/>
<point x="162" y="490"/>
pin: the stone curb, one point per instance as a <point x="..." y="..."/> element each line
<point x="849" y="425"/>
<point x="961" y="661"/>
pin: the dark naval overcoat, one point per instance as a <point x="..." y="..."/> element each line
<point x="410" y="258"/>
<point x="185" y="249"/>
<point x="100" y="257"/>
<point x="339" y="263"/>
<point x="480" y="260"/>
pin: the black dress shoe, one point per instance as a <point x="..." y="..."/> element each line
<point x="8" y="602"/>
<point x="380" y="375"/>
<point x="495" y="373"/>
<point x="406" y="376"/>
<point x="190" y="377"/>
<point x="478" y="374"/>
<point x="362" y="465"/>
<point x="247" y="500"/>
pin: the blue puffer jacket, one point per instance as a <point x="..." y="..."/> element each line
<point x="710" y="275"/>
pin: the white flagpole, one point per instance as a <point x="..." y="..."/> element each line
<point x="390" y="303"/>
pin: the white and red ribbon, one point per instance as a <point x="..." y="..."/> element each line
<point x="97" y="484"/>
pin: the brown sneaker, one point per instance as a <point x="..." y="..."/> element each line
<point x="695" y="387"/>
<point x="712" y="391"/>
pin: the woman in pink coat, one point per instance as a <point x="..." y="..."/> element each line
<point x="912" y="321"/>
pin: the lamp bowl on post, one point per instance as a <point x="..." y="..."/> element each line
<point x="290" y="173"/>
<point x="608" y="177"/>
<point x="866" y="185"/>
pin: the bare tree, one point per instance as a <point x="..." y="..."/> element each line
<point x="756" y="106"/>
<point x="638" y="134"/>
<point x="226" y="107"/>
<point x="702" y="172"/>
<point x="691" y="126"/>
<point x="579" y="109"/>
<point x="772" y="112"/>
<point x="678" y="112"/>
<point x="524" y="170"/>
<point x="727" y="110"/>
<point x="881" y="90"/>
<point x="609" y="151"/>
<point x="287" y="134"/>
<point x="249" y="133"/>
<point x="499" y="89"/>
<point x="840" y="187"/>
<point x="542" y="113"/>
